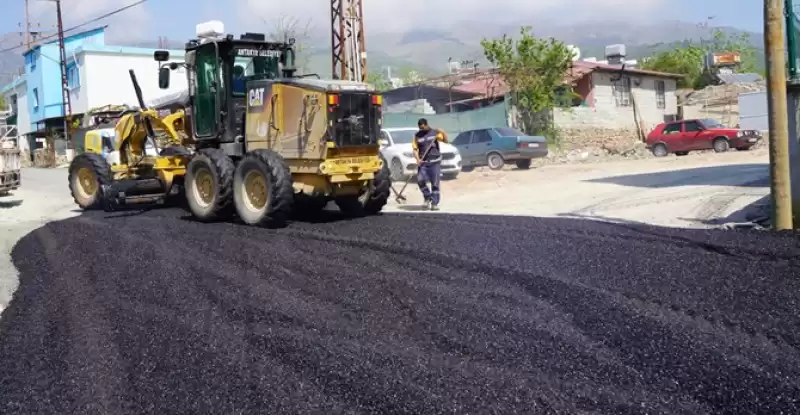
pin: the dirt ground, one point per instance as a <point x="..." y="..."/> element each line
<point x="697" y="190"/>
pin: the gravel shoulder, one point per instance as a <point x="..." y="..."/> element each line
<point x="697" y="191"/>
<point x="43" y="197"/>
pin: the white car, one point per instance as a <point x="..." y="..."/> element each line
<point x="397" y="152"/>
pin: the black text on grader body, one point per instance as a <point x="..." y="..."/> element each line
<point x="267" y="143"/>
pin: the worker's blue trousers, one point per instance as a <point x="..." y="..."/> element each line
<point x="430" y="172"/>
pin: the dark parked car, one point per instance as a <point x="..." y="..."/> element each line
<point x="681" y="137"/>
<point x="494" y="147"/>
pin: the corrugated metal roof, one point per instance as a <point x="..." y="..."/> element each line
<point x="615" y="68"/>
<point x="489" y="85"/>
<point x="739" y="78"/>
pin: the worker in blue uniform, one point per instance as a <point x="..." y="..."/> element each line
<point x="429" y="159"/>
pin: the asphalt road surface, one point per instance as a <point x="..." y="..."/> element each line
<point x="418" y="314"/>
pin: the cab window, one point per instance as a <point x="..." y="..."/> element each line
<point x="247" y="67"/>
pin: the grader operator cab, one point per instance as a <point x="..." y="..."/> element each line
<point x="267" y="143"/>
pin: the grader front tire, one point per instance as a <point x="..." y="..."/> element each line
<point x="209" y="185"/>
<point x="88" y="172"/>
<point x="262" y="189"/>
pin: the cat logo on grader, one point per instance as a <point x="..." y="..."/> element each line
<point x="256" y="97"/>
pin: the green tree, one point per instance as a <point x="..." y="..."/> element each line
<point x="3" y="103"/>
<point x="688" y="59"/>
<point x="410" y="76"/>
<point x="377" y="80"/>
<point x="534" y="70"/>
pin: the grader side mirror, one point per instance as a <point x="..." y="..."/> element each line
<point x="161" y="55"/>
<point x="163" y="77"/>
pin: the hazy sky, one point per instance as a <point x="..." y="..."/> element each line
<point x="176" y="18"/>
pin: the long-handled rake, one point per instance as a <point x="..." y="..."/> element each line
<point x="399" y="198"/>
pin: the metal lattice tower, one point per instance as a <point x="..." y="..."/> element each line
<point x="347" y="40"/>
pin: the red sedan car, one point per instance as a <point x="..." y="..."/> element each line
<point x="681" y="137"/>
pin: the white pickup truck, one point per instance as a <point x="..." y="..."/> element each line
<point x="10" y="174"/>
<point x="10" y="156"/>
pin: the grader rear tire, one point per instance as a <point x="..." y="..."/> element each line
<point x="262" y="189"/>
<point x="88" y="172"/>
<point x="372" y="200"/>
<point x="380" y="189"/>
<point x="209" y="185"/>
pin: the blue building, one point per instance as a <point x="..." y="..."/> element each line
<point x="38" y="91"/>
<point x="43" y="76"/>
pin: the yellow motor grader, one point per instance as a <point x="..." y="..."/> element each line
<point x="265" y="142"/>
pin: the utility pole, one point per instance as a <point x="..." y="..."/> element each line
<point x="27" y="27"/>
<point x="780" y="177"/>
<point x="66" y="105"/>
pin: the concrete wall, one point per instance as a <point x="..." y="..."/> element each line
<point x="452" y="123"/>
<point x="104" y="77"/>
<point x="793" y="106"/>
<point x="753" y="114"/>
<point x="728" y="115"/>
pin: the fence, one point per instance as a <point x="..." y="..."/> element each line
<point x="452" y="123"/>
<point x="792" y="28"/>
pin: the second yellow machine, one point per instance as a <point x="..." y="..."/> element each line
<point x="263" y="143"/>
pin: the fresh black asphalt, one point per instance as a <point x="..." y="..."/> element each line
<point x="416" y="314"/>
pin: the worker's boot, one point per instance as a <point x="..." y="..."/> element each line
<point x="426" y="205"/>
<point x="434" y="207"/>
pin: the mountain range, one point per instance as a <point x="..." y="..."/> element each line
<point x="428" y="51"/>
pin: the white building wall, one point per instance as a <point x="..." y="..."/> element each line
<point x="77" y="95"/>
<point x="105" y="80"/>
<point x="606" y="113"/>
<point x="23" y="118"/>
<point x="753" y="111"/>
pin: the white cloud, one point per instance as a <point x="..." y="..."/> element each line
<point x="131" y="24"/>
<point x="403" y="15"/>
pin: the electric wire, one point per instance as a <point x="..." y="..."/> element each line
<point x="101" y="17"/>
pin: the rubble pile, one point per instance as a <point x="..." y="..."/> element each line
<point x="25" y="159"/>
<point x="42" y="158"/>
<point x="719" y="94"/>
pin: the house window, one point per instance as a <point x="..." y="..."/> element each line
<point x="73" y="77"/>
<point x="35" y="99"/>
<point x="622" y="92"/>
<point x="661" y="97"/>
<point x="30" y="60"/>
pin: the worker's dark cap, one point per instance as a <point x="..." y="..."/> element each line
<point x="422" y="121"/>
